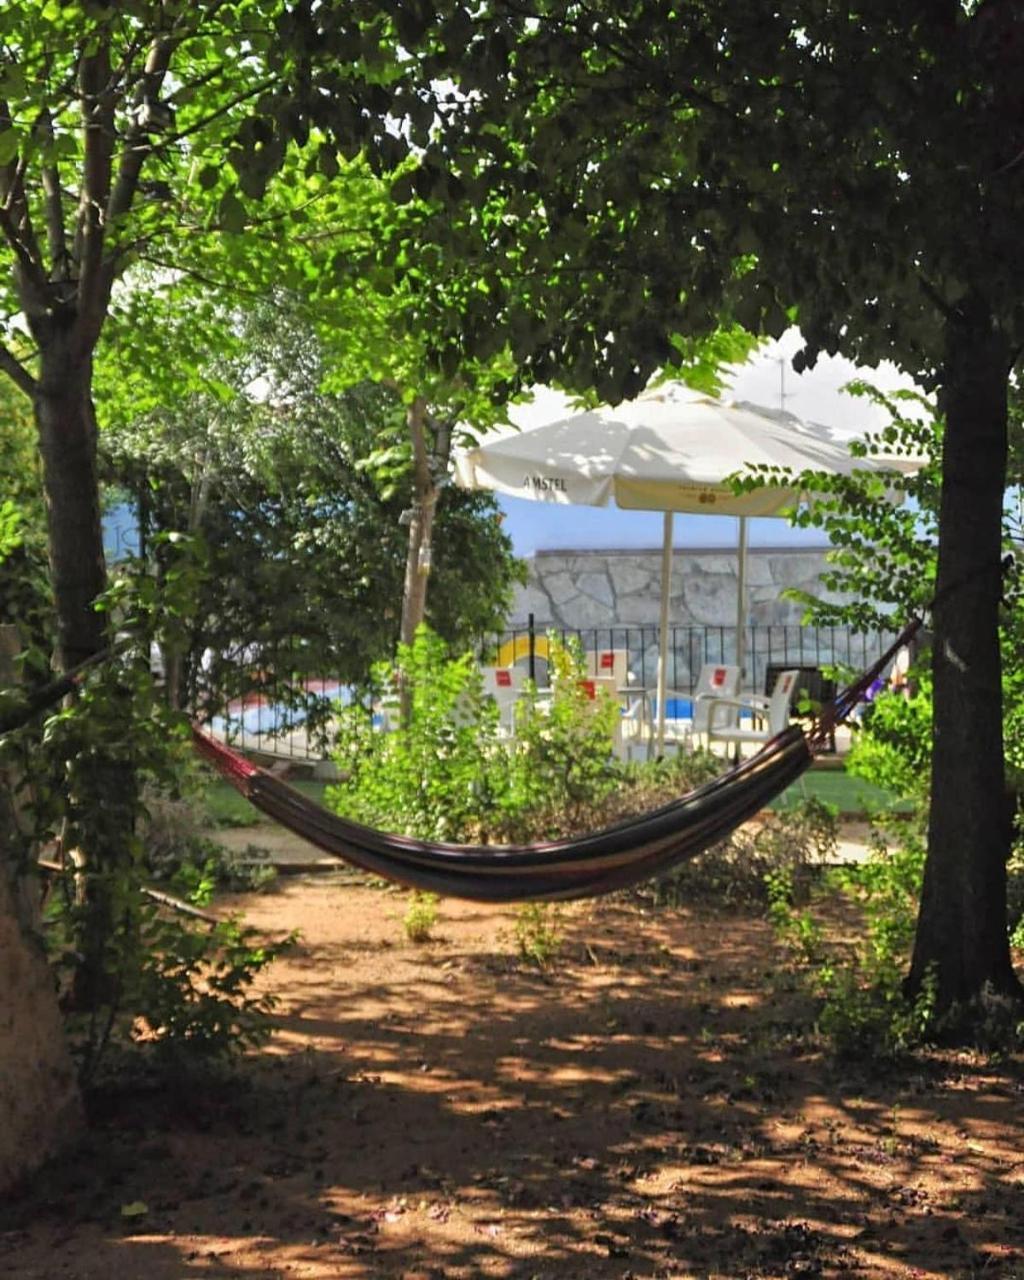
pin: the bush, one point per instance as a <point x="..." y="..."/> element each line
<point x="193" y="993"/>
<point x="447" y="775"/>
<point x="181" y="986"/>
<point x="433" y="777"/>
<point x="864" y="1011"/>
<point x="893" y="747"/>
<point x="560" y="767"/>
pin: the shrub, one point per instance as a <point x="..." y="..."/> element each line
<point x="864" y="1011"/>
<point x="432" y="777"/>
<point x="538" y="931"/>
<point x="421" y="917"/>
<point x="560" y="765"/>
<point x="193" y="992"/>
<point x="893" y="747"/>
<point x="447" y="775"/>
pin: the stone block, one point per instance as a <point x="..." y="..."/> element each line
<point x="631" y="576"/>
<point x="40" y="1107"/>
<point x="598" y="587"/>
<point x="560" y="586"/>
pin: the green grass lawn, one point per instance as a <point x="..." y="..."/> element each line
<point x="227" y="808"/>
<point x="848" y="795"/>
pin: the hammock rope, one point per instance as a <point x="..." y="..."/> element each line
<point x="599" y="862"/>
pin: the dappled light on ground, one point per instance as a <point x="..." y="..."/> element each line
<point x="643" y="1107"/>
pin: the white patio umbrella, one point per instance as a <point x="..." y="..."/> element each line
<point x="672" y="449"/>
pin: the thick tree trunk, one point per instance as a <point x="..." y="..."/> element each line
<point x="67" y="444"/>
<point x="961" y="930"/>
<point x="105" y="788"/>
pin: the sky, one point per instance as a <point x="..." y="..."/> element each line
<point x="767" y="379"/>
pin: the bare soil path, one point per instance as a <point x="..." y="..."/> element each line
<point x="643" y="1108"/>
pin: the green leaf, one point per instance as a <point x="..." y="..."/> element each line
<point x="231" y="213"/>
<point x="10" y="141"/>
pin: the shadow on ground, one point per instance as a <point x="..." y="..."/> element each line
<point x="646" y="1107"/>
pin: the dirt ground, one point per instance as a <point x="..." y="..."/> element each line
<point x="643" y="1108"/>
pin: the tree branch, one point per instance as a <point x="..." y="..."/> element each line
<point x="16" y="371"/>
<point x="229" y="286"/>
<point x="97" y="108"/>
<point x="198" y="125"/>
<point x="56" y="238"/>
<point x="12" y="194"/>
<point x="137" y="143"/>
<point x="29" y="278"/>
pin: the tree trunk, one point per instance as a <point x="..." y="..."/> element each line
<point x="961" y="930"/>
<point x="421" y="529"/>
<point x="67" y="444"/>
<point x="105" y="787"/>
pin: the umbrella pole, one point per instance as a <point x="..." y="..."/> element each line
<point x="666" y="589"/>
<point x="741" y="598"/>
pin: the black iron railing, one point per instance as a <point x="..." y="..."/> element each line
<point x="690" y="648"/>
<point x="268" y="702"/>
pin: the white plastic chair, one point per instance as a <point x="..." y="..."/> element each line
<point x="610" y="664"/>
<point x="596" y="686"/>
<point x="718" y="684"/>
<point x="504" y="685"/>
<point x="770" y="715"/>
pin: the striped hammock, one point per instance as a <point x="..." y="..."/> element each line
<point x="585" y="866"/>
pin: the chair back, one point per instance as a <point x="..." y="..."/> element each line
<point x="593" y="686"/>
<point x="610" y="664"/>
<point x="504" y="685"/>
<point x="782" y="700"/>
<point x="716" y="680"/>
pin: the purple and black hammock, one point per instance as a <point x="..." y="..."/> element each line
<point x="615" y="857"/>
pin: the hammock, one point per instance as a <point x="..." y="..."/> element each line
<point x="615" y="857"/>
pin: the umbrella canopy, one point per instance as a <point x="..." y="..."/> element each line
<point x="671" y="449"/>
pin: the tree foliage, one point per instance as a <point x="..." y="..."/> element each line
<point x="295" y="492"/>
<point x="856" y="170"/>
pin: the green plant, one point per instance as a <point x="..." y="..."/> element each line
<point x="560" y="767"/>
<point x="110" y="774"/>
<point x="865" y="1010"/>
<point x="436" y="776"/>
<point x="538" y="932"/>
<point x="446" y="774"/>
<point x="248" y="870"/>
<point x="893" y="747"/>
<point x="193" y="992"/>
<point x="799" y="930"/>
<point x="421" y="917"/>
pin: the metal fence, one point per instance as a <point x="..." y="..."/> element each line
<point x="766" y="648"/>
<point x="267" y="706"/>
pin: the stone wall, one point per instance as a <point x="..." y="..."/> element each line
<point x="614" y="599"/>
<point x="582" y="589"/>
